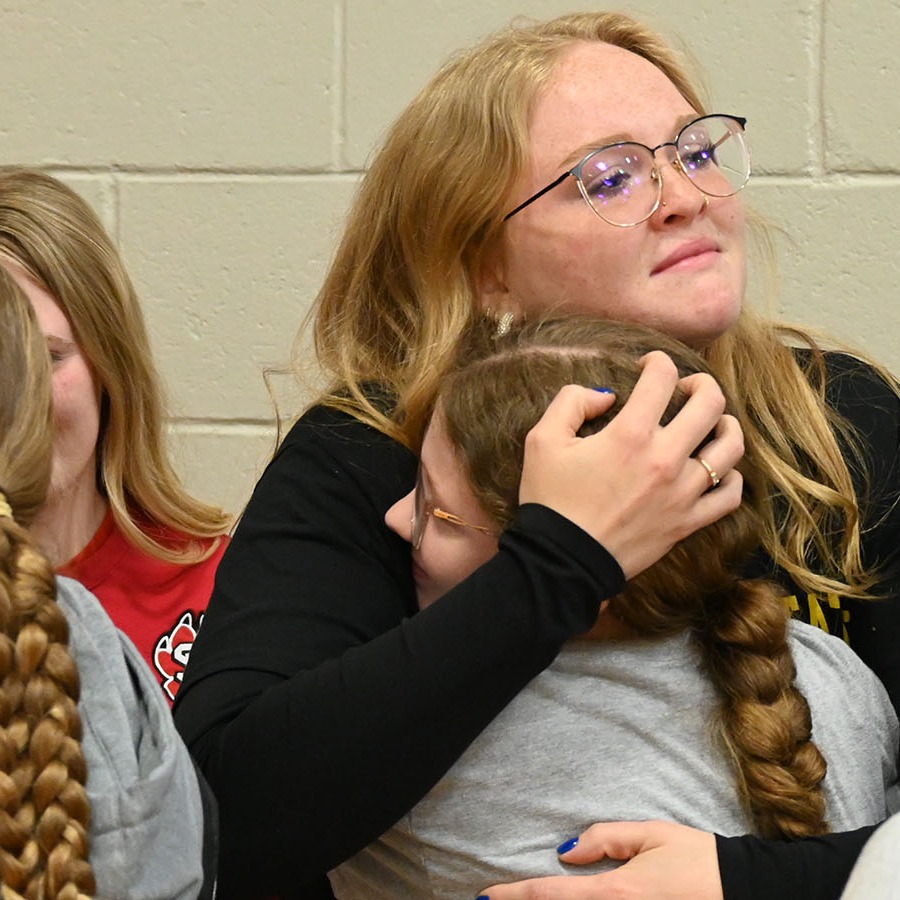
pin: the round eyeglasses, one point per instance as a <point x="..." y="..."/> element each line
<point x="622" y="183"/>
<point x="423" y="511"/>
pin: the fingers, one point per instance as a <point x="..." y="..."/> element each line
<point x="700" y="414"/>
<point x="635" y="486"/>
<point x="554" y="887"/>
<point x="570" y="409"/>
<point x="614" y="840"/>
<point x="651" y="394"/>
<point x="712" y="505"/>
<point x="722" y="453"/>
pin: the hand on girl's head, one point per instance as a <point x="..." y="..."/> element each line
<point x="635" y="486"/>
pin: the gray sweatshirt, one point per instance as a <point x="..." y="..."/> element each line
<point x="615" y="731"/>
<point x="146" y="827"/>
<point x="876" y="875"/>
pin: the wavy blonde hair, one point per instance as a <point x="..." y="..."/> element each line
<point x="494" y="396"/>
<point x="44" y="808"/>
<point x="52" y="233"/>
<point x="400" y="292"/>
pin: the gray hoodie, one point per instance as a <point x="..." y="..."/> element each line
<point x="876" y="875"/>
<point x="147" y="822"/>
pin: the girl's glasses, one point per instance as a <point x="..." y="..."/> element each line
<point x="423" y="511"/>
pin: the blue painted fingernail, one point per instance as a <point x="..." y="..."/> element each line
<point x="604" y="390"/>
<point x="570" y="844"/>
<point x="482" y="897"/>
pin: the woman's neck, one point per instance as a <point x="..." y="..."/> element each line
<point x="67" y="522"/>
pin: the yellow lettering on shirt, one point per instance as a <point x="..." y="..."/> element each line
<point x="817" y="615"/>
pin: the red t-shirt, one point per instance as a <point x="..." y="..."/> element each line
<point x="158" y="604"/>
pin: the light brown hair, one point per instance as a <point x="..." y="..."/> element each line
<point x="51" y="232"/>
<point x="44" y="808"/>
<point x="401" y="290"/>
<point x="491" y="399"/>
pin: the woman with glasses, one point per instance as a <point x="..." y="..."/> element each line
<point x="567" y="167"/>
<point x="691" y="698"/>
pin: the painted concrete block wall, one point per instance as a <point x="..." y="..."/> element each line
<point x="220" y="141"/>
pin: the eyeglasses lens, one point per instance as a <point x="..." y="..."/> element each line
<point x="714" y="155"/>
<point x="419" y="516"/>
<point x="619" y="183"/>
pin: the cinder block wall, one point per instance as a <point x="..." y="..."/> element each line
<point x="221" y="140"/>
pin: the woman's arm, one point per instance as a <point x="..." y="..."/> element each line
<point x="318" y="714"/>
<point x="675" y="862"/>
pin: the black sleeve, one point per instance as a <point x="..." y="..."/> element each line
<point x="860" y="395"/>
<point x="318" y="707"/>
<point x="812" y="868"/>
<point x="818" y="868"/>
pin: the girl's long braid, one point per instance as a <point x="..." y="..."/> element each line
<point x="766" y="723"/>
<point x="741" y="627"/>
<point x="44" y="808"/>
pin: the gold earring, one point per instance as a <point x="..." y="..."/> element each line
<point x="504" y="323"/>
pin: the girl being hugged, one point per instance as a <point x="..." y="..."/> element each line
<point x="694" y="697"/>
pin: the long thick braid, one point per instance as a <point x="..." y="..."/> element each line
<point x="44" y="808"/>
<point x="741" y="628"/>
<point x="766" y="723"/>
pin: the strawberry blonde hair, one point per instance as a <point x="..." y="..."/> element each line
<point x="54" y="236"/>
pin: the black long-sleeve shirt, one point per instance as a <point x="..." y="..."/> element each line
<point x="321" y="709"/>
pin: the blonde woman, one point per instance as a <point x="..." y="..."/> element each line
<point x="116" y="518"/>
<point x="98" y="796"/>
<point x="569" y="165"/>
<point x="691" y="698"/>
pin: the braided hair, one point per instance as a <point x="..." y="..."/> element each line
<point x="44" y="808"/>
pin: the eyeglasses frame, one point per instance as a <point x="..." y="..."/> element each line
<point x="417" y="531"/>
<point x="575" y="172"/>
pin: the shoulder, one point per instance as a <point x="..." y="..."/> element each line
<point x="146" y="812"/>
<point x="828" y="667"/>
<point x="863" y="399"/>
<point x="335" y="429"/>
<point x="102" y="652"/>
<point x="811" y="643"/>
<point x="89" y="624"/>
<point x="856" y="389"/>
<point x="330" y="451"/>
